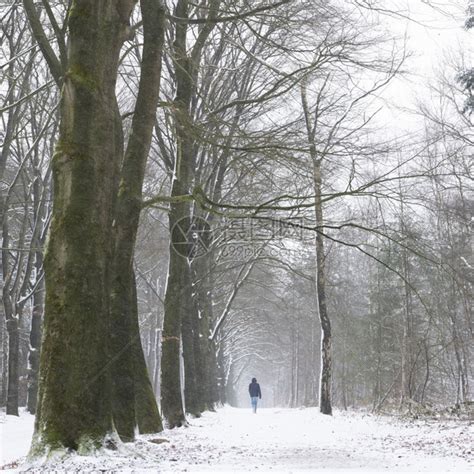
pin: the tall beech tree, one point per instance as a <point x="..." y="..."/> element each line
<point x="134" y="401"/>
<point x="180" y="309"/>
<point x="74" y="391"/>
<point x="93" y="376"/>
<point x="326" y="362"/>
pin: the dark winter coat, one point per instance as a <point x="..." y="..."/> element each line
<point x="254" y="390"/>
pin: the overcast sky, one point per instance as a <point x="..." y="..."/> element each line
<point x="434" y="32"/>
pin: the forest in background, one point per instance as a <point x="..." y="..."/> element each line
<point x="266" y="218"/>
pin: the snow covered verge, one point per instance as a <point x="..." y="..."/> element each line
<point x="274" y="440"/>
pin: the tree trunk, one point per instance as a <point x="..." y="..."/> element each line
<point x="292" y="400"/>
<point x="407" y="325"/>
<point x="156" y="375"/>
<point x="74" y="403"/>
<point x="191" y="397"/>
<point x="177" y="290"/>
<point x="178" y="300"/>
<point x="221" y="376"/>
<point x="171" y="401"/>
<point x="132" y="391"/>
<point x="13" y="364"/>
<point x="147" y="416"/>
<point x="207" y="352"/>
<point x="200" y="362"/>
<point x="35" y="339"/>
<point x="4" y="363"/>
<point x="326" y="358"/>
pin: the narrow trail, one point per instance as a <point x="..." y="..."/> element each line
<point x="289" y="441"/>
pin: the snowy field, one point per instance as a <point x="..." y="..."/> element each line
<point x="274" y="440"/>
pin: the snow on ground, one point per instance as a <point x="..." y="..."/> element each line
<point x="274" y="440"/>
<point x="15" y="436"/>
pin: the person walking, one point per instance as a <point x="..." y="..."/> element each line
<point x="255" y="394"/>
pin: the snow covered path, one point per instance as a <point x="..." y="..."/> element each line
<point x="280" y="440"/>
